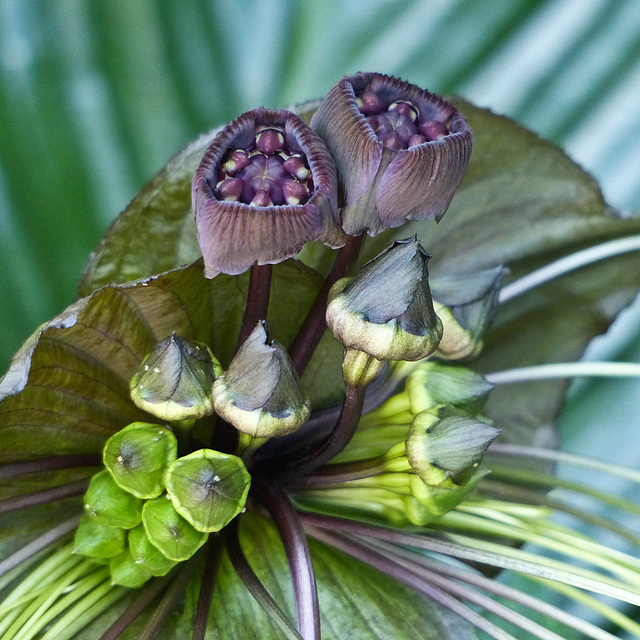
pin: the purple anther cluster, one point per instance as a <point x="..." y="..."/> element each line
<point x="266" y="173"/>
<point x="398" y="125"/>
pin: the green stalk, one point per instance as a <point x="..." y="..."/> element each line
<point x="608" y="613"/>
<point x="508" y="490"/>
<point x="499" y="589"/>
<point x="569" y="263"/>
<point x="537" y="479"/>
<point x="87" y="610"/>
<point x="565" y="370"/>
<point x="483" y="552"/>
<point x="552" y="455"/>
<point x="548" y="539"/>
<point x="539" y="566"/>
<point x="52" y="604"/>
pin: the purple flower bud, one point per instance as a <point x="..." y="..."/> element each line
<point x="433" y="130"/>
<point x="402" y="160"/>
<point x="265" y="187"/>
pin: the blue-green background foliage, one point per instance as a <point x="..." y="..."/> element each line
<point x="96" y="96"/>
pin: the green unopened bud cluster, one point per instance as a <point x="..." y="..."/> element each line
<point x="149" y="509"/>
<point x="415" y="457"/>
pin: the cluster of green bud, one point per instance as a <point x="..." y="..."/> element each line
<point x="148" y="509"/>
<point x="415" y="457"/>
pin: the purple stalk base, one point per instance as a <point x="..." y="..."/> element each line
<point x="314" y="325"/>
<point x="52" y="463"/>
<point x="296" y="548"/>
<point x="42" y="497"/>
<point x="255" y="586"/>
<point x="334" y="443"/>
<point x="257" y="299"/>
<point x="208" y="586"/>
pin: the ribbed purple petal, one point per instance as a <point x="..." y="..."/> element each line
<point x="349" y="137"/>
<point x="233" y="235"/>
<point x="384" y="183"/>
<point x="421" y="181"/>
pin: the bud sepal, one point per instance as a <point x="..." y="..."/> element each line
<point x="174" y="382"/>
<point x="260" y="393"/>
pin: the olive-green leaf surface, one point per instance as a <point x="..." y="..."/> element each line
<point x="67" y="390"/>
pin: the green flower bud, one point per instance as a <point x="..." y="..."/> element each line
<point x="127" y="573"/>
<point x="466" y="304"/>
<point x="260" y="393"/>
<point x="388" y="498"/>
<point x="386" y="309"/>
<point x="138" y="457"/>
<point x="169" y="531"/>
<point x="175" y="380"/>
<point x="447" y="452"/>
<point x="208" y="488"/>
<point x="431" y="383"/>
<point x="108" y="504"/>
<point x="148" y="555"/>
<point x="98" y="541"/>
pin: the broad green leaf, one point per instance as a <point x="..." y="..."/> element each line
<point x="355" y="600"/>
<point x="67" y="390"/>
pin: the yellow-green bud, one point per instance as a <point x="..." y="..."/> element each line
<point x="260" y="393"/>
<point x="432" y="383"/>
<point x="174" y="382"/>
<point x="386" y="309"/>
<point x="446" y="452"/>
<point x="208" y="488"/>
<point x="466" y="304"/>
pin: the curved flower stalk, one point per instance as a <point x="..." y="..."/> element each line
<point x="401" y="152"/>
<point x="265" y="187"/>
<point x="208" y="489"/>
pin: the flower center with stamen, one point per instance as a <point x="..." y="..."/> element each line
<point x="264" y="174"/>
<point x="399" y="124"/>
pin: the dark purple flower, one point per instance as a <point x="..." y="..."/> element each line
<point x="265" y="186"/>
<point x="401" y="152"/>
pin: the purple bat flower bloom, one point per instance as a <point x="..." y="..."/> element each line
<point x="401" y="152"/>
<point x="265" y="186"/>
